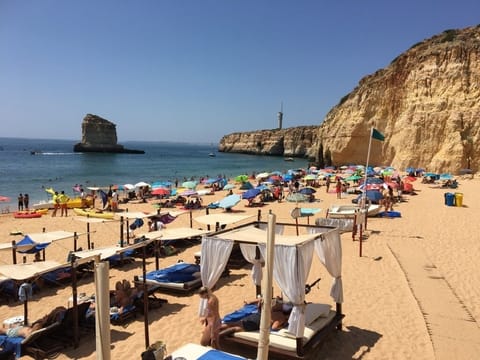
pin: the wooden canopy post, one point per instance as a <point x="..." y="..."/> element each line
<point x="145" y="298"/>
<point x="121" y="231"/>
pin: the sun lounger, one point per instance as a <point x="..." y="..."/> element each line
<point x="40" y="344"/>
<point x="181" y="277"/>
<point x="319" y="322"/>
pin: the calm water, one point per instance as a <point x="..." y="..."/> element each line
<point x="60" y="168"/>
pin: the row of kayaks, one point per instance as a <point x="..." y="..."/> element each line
<point x="71" y="203"/>
<point x="94" y="213"/>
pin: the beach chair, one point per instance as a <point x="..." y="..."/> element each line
<point x="41" y="344"/>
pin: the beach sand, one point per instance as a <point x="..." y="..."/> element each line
<point x="414" y="294"/>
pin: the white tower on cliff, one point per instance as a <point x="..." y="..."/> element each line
<point x="280" y="116"/>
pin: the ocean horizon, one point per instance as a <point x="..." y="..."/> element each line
<point x="55" y="165"/>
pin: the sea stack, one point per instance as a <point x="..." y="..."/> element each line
<point x="100" y="135"/>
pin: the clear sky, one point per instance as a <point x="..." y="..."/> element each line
<point x="195" y="70"/>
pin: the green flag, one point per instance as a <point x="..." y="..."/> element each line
<point x="377" y="135"/>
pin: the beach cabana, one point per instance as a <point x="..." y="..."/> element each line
<point x="308" y="325"/>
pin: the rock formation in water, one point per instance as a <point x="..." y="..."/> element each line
<point x="100" y="135"/>
<point x="426" y="103"/>
<point x="291" y="142"/>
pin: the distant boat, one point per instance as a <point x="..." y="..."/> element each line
<point x="212" y="154"/>
<point x="289" y="159"/>
<point x="35" y="152"/>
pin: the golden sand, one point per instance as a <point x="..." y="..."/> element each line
<point x="414" y="294"/>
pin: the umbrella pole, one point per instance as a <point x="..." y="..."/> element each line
<point x="75" y="303"/>
<point x="88" y="235"/>
<point x="191" y="220"/>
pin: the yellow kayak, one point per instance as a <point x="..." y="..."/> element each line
<point x="94" y="213"/>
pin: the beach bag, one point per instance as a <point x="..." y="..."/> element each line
<point x="156" y="351"/>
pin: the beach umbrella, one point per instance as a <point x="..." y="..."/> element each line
<point x="307" y="191"/>
<point x="228" y="187"/>
<point x="129" y="186"/>
<point x="189" y="184"/>
<point x="4" y="198"/>
<point x="229" y="201"/>
<point x="370" y="187"/>
<point x="160" y="191"/>
<point x="241" y="178"/>
<point x="188" y="192"/>
<point x="251" y="193"/>
<point x="310" y="177"/>
<point x="141" y="184"/>
<point x="373" y="195"/>
<point x="263" y="175"/>
<point x="446" y="177"/>
<point x="353" y="178"/>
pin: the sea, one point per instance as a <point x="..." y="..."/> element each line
<point x="33" y="165"/>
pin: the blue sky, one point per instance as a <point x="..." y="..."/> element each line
<point x="194" y="70"/>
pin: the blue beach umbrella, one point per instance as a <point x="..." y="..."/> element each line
<point x="307" y="191"/>
<point x="229" y="201"/>
<point x="251" y="193"/>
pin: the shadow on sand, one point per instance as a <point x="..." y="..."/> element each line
<point x="350" y="343"/>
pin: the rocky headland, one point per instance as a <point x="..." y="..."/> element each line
<point x="425" y="102"/>
<point x="100" y="135"/>
<point x="290" y="142"/>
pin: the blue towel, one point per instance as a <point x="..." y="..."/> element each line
<point x="215" y="354"/>
<point x="390" y="214"/>
<point x="11" y="344"/>
<point x="238" y="315"/>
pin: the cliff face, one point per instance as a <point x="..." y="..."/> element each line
<point x="294" y="142"/>
<point x="426" y="103"/>
<point x="100" y="135"/>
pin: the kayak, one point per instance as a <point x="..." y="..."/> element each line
<point x="71" y="204"/>
<point x="27" y="214"/>
<point x="94" y="213"/>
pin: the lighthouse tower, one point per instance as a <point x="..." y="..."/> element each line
<point x="280" y="117"/>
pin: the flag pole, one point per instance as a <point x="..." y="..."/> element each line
<point x="366" y="167"/>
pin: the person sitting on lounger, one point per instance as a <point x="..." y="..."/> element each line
<point x="19" y="330"/>
<point x="279" y="318"/>
<point x="123" y="296"/>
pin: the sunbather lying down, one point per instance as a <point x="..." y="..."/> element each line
<point x="279" y="318"/>
<point x="25" y="330"/>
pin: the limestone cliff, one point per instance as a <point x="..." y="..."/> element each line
<point x="426" y="103"/>
<point x="291" y="142"/>
<point x="100" y="135"/>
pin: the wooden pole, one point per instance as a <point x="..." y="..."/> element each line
<point x="145" y="298"/>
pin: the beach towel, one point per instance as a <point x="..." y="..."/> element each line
<point x="137" y="223"/>
<point x="11" y="345"/>
<point x="238" y="315"/>
<point x="389" y="214"/>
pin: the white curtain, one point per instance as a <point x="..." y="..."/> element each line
<point x="329" y="250"/>
<point x="214" y="257"/>
<point x="292" y="279"/>
<point x="249" y="252"/>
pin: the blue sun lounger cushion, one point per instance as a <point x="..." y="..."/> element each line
<point x="218" y="355"/>
<point x="178" y="273"/>
<point x="238" y="315"/>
